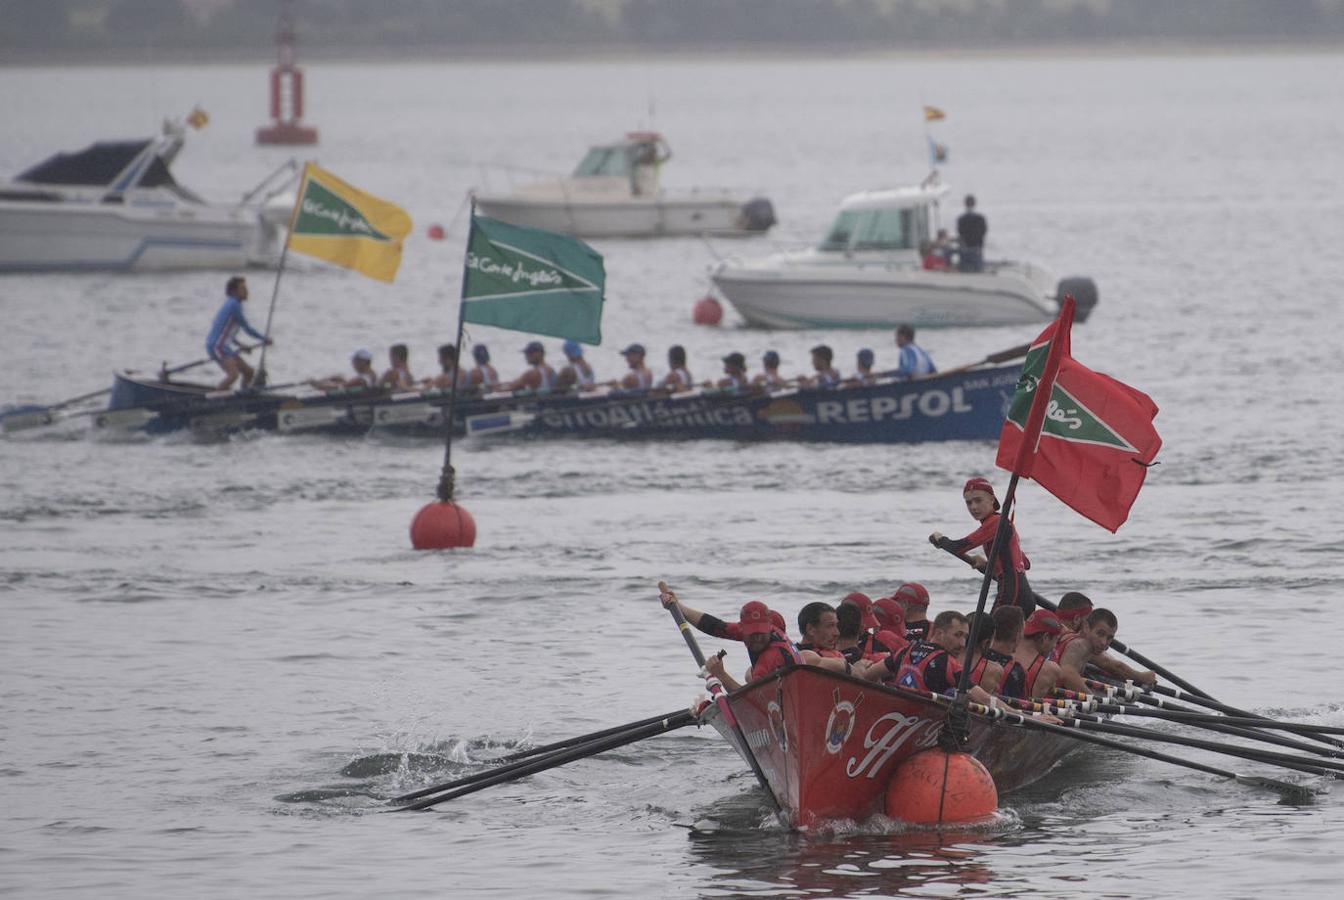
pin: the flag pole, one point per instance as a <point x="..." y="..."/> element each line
<point x="957" y="718"/>
<point x="447" y="478"/>
<point x="260" y="379"/>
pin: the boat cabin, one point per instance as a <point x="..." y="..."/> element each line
<point x="898" y="219"/>
<point x="634" y="160"/>
<point x="107" y="168"/>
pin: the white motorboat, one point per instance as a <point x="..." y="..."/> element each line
<point x="868" y="272"/>
<point x="115" y="206"/>
<point x="615" y="192"/>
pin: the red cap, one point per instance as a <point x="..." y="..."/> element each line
<point x="1042" y="621"/>
<point x="889" y="613"/>
<point x="912" y="593"/>
<point x="1068" y="615"/>
<point x="979" y="484"/>
<point x="777" y="620"/>
<point x="865" y="605"/>
<point x="755" y="618"/>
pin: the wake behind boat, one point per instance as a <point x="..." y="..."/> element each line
<point x="116" y="206"/>
<point x="615" y="192"/>
<point x="869" y="272"/>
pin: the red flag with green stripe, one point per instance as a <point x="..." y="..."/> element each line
<point x="1096" y="437"/>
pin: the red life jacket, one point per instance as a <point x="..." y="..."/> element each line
<point x="913" y="673"/>
<point x="778" y="655"/>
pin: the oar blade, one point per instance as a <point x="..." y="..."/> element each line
<point x="1295" y="794"/>
<point x="30" y="418"/>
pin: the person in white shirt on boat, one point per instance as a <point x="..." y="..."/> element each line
<point x="734" y="374"/>
<point x="483" y="375"/>
<point x="398" y="376"/>
<point x="914" y="362"/>
<point x="578" y="374"/>
<point x="864" y="373"/>
<point x="678" y="377"/>
<point x="770" y="379"/>
<point x="538" y="376"/>
<point x="827" y="375"/>
<point x="639" y="378"/>
<point x="449" y="372"/>
<point x="364" y="379"/>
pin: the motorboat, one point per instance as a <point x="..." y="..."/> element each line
<point x="615" y="192"/>
<point x="869" y="271"/>
<point x="115" y="206"/>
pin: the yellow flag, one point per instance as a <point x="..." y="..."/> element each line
<point x="933" y="114"/>
<point x="340" y="223"/>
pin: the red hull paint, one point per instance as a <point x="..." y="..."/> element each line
<point x="828" y="743"/>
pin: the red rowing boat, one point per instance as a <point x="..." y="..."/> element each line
<point x="828" y="743"/>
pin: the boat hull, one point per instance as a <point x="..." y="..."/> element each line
<point x="872" y="295"/>
<point x="966" y="405"/>
<point x="56" y="236"/>
<point x="620" y="218"/>
<point x="829" y="743"/>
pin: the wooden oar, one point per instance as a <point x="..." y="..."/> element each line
<point x="1295" y="792"/>
<point x="1117" y="645"/>
<point x="531" y="758"/>
<point x="522" y="769"/>
<point x="36" y="417"/>
<point x="720" y="696"/>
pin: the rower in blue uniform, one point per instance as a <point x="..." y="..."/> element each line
<point x="220" y="343"/>
<point x="538" y="376"/>
<point x="639" y="378"/>
<point x="914" y="362"/>
<point x="827" y="375"/>
<point x="483" y="375"/>
<point x="678" y="377"/>
<point x="579" y="373"/>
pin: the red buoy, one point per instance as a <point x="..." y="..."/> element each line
<point x="435" y="232"/>
<point x="438" y="526"/>
<point x="934" y="787"/>
<point x="286" y="92"/>
<point x="707" y="311"/>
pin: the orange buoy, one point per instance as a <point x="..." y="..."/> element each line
<point x="935" y="787"/>
<point x="707" y="311"/>
<point x="439" y="525"/>
<point x="435" y="232"/>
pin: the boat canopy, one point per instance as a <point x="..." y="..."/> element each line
<point x="620" y="158"/>
<point x="895" y="219"/>
<point x="97" y="165"/>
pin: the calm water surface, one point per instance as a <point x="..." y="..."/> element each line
<point x="218" y="660"/>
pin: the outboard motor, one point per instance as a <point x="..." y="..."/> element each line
<point x="757" y="214"/>
<point x="1084" y="291"/>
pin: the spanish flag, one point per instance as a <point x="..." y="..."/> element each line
<point x="933" y="114"/>
<point x="338" y="222"/>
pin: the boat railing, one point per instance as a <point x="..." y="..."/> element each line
<point x="264" y="191"/>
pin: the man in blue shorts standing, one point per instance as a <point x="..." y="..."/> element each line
<point x="220" y="343"/>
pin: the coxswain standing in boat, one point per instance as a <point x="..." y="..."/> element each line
<point x="365" y="378"/>
<point x="449" y="372"/>
<point x="933" y="665"/>
<point x="678" y="377"/>
<point x="639" y="378"/>
<point x="579" y="373"/>
<point x="770" y="379"/>
<point x="1010" y="568"/>
<point x="220" y="343"/>
<point x="734" y="378"/>
<point x="827" y="375"/>
<point x="398" y="376"/>
<point x="483" y="375"/>
<point x="767" y="649"/>
<point x="913" y="362"/>
<point x="538" y="376"/>
<point x="1039" y="634"/>
<point x="1094" y="639"/>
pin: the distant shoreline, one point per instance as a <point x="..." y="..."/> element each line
<point x="525" y="54"/>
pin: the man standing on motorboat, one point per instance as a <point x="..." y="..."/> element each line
<point x="220" y="344"/>
<point x="971" y="229"/>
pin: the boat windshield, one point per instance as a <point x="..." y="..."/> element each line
<point x="873" y="229"/>
<point x="611" y="160"/>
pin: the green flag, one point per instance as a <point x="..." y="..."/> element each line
<point x="526" y="279"/>
<point x="1067" y="417"/>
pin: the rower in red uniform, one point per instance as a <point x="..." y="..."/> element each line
<point x="767" y="650"/>
<point x="1072" y="611"/>
<point x="933" y="665"/>
<point x="1039" y="634"/>
<point x="914" y="600"/>
<point x="868" y="643"/>
<point x="890" y="623"/>
<point x="984" y="672"/>
<point x="820" y="628"/>
<point x="1011" y="679"/>
<point x="1010" y="568"/>
<point x="1094" y="639"/>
